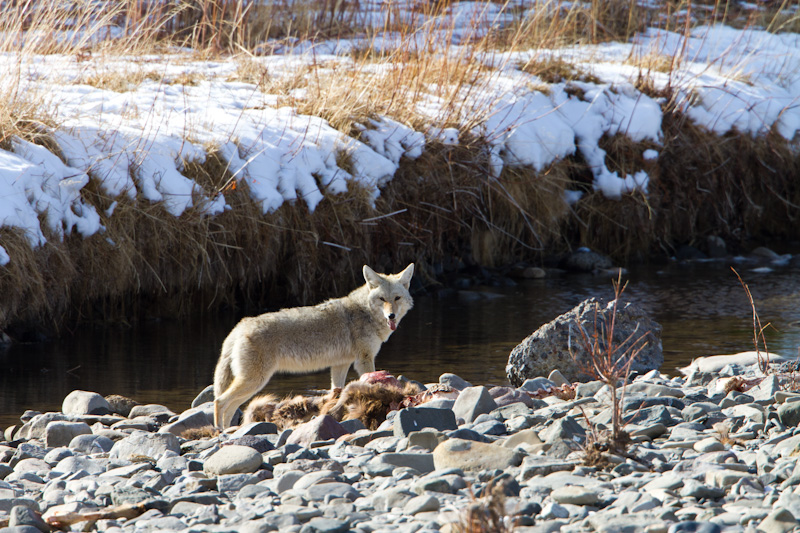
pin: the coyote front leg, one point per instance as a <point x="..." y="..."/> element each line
<point x="339" y="376"/>
<point x="365" y="363"/>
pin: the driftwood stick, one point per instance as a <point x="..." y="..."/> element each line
<point x="64" y="520"/>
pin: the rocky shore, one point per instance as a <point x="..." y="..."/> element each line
<point x="704" y="457"/>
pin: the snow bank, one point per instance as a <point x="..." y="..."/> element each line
<point x="135" y="144"/>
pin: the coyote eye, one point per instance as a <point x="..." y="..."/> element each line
<point x="381" y="299"/>
<point x="396" y="298"/>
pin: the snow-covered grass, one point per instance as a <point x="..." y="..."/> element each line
<point x="208" y="124"/>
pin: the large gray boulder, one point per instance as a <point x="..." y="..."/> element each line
<point x="559" y="344"/>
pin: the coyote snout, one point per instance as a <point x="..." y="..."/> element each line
<point x="335" y="334"/>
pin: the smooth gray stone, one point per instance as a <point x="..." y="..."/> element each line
<point x="153" y="445"/>
<point x="653" y="390"/>
<point x="421" y="504"/>
<point x="6" y="504"/>
<point x="650" y="415"/>
<point x="25" y="516"/>
<point x="128" y="495"/>
<point x="588" y="389"/>
<point x="90" y="444"/>
<point x="492" y="427"/>
<point x="20" y="529"/>
<point x="574" y="495"/>
<point x="60" y="433"/>
<point x="421" y="462"/>
<point x="691" y="526"/>
<point x="150" y="409"/>
<point x="780" y="520"/>
<point x="172" y="463"/>
<point x="253" y="491"/>
<point x="562" y="429"/>
<point x="413" y="419"/>
<point x="472" y="402"/>
<point x="80" y="402"/>
<point x="512" y="410"/>
<point x="387" y="499"/>
<point x="205" y="396"/>
<point x="536" y="465"/>
<point x="56" y="454"/>
<point x="451" y="380"/>
<point x="76" y="463"/>
<point x="259" y="443"/>
<point x="351" y="426"/>
<point x="537" y="384"/>
<point x="235" y="482"/>
<point x="27" y="450"/>
<point x="466" y="434"/>
<point x="192" y="419"/>
<point x="447" y="483"/>
<point x="635" y="402"/>
<point x="233" y="459"/>
<point x="323" y="491"/>
<point x="789" y="414"/>
<point x="255" y="428"/>
<point x="326" y="525"/>
<point x="695" y="489"/>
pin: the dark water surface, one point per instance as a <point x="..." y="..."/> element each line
<point x="702" y="308"/>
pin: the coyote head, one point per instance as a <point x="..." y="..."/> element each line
<point x="388" y="294"/>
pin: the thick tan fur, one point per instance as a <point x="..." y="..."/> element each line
<point x="368" y="402"/>
<point x="335" y="334"/>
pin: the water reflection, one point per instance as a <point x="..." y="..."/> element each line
<point x="702" y="309"/>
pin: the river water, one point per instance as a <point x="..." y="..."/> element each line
<point x="702" y="307"/>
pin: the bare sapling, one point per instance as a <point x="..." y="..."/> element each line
<point x="758" y="329"/>
<point x="609" y="361"/>
<point x="486" y="513"/>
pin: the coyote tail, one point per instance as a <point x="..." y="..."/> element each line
<point x="223" y="375"/>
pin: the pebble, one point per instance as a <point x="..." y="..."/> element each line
<point x="425" y="467"/>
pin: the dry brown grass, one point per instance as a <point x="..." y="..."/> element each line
<point x="444" y="204"/>
<point x="205" y="432"/>
<point x="556" y="70"/>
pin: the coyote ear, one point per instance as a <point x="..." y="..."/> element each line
<point x="371" y="277"/>
<point x="405" y="275"/>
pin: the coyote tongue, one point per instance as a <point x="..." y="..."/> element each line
<point x="392" y="324"/>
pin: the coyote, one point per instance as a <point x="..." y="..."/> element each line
<point x="334" y="334"/>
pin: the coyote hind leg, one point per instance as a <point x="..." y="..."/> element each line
<point x="238" y="392"/>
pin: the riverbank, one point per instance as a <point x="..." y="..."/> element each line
<point x="705" y="452"/>
<point x="159" y="181"/>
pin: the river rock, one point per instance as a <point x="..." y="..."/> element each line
<point x="90" y="444"/>
<point x="150" y="409"/>
<point x="413" y="419"/>
<point x="778" y="521"/>
<point x="454" y="381"/>
<point x="559" y="344"/>
<point x="318" y="428"/>
<point x="121" y="405"/>
<point x="21" y="516"/>
<point x="789" y="414"/>
<point x="80" y="402"/>
<point x="195" y="418"/>
<point x="153" y="445"/>
<point x="585" y="260"/>
<point x="469" y="455"/>
<point x="421" y="504"/>
<point x="61" y="433"/>
<point x="473" y="401"/>
<point x="572" y="494"/>
<point x="233" y="460"/>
